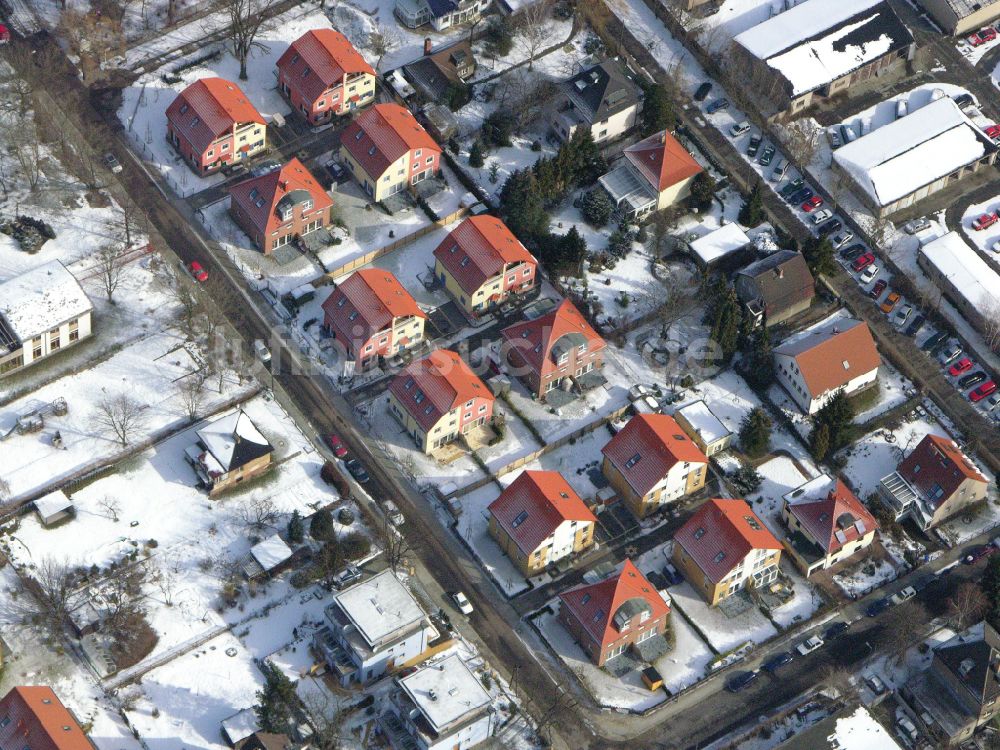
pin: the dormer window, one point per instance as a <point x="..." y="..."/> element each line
<point x="419" y="397"/>
<point x="295" y="59"/>
<point x="254" y="193"/>
<point x="465" y="261"/>
<point x="353" y="315"/>
<point x="341" y="302"/>
<point x="408" y="384"/>
<point x="184" y="108"/>
<point x="699" y="532"/>
<point x="633" y="461"/>
<point x="306" y="72"/>
<point x="519" y="519"/>
<point x="371" y="151"/>
<point x="719" y="557"/>
<point x="195" y="121"/>
<point x="357" y="136"/>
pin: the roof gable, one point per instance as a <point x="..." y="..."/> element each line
<point x="831" y="513"/>
<point x="431" y="387"/>
<point x="832" y="354"/>
<point x="234" y="440"/>
<point x="782" y="280"/>
<point x="381" y="135"/>
<point x="662" y="160"/>
<point x="208" y="108"/>
<point x="371" y="298"/>
<point x="721" y="533"/>
<point x="478" y="249"/>
<point x="648" y="447"/>
<point x="262" y="198"/>
<point x="40" y="721"/>
<point x="541" y="341"/>
<point x="319" y="59"/>
<point x="604" y="90"/>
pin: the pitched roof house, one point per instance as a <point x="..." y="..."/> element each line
<point x="651" y="461"/>
<point x="372" y="316"/>
<point x="387" y="150"/>
<point x="557" y="347"/>
<point x="481" y="264"/>
<point x="322" y="74"/>
<point x="212" y="123"/>
<point x="724" y="547"/>
<point x="653" y="174"/>
<point x="441" y="14"/>
<point x="438" y="398"/>
<point x="827" y="523"/>
<point x="35" y="718"/>
<point x="609" y="616"/>
<point x="604" y="99"/>
<point x="835" y="354"/>
<point x="438" y="70"/>
<point x="776" y="288"/>
<point x="229" y="450"/>
<point x="539" y="519"/>
<point x="276" y="208"/>
<point x="933" y="483"/>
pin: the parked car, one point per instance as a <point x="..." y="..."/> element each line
<point x="717" y="105"/>
<point x="875" y="683"/>
<point x="753" y="146"/>
<point x="813" y="202"/>
<point x="934" y="341"/>
<point x="198" y="271"/>
<point x="982" y="391"/>
<point x="336" y="445"/>
<point x="868" y="275"/>
<point x="963" y="365"/>
<point x="791" y="188"/>
<point x="993" y="131"/>
<point x="800" y="195"/>
<point x="265" y="167"/>
<point x="112" y="163"/>
<point x="949" y="354"/>
<point x="740" y="128"/>
<point x="821" y="215"/>
<point x="638" y="391"/>
<point x="862" y="262"/>
<point x="987" y="34"/>
<point x="343" y="579"/>
<point x="780" y="168"/>
<point x="777" y="661"/>
<point x="835" y="629"/>
<point x="841" y="238"/>
<point x="917" y="225"/>
<point x="995" y="247"/>
<point x="702" y="92"/>
<point x="993" y="402"/>
<point x="974" y="39"/>
<point x="809" y="645"/>
<point x="964" y="100"/>
<point x="877" y="607"/>
<point x="829" y="227"/>
<point x="977" y="553"/>
<point x="461" y="602"/>
<point x="902" y="315"/>
<point x="393" y="513"/>
<point x="972" y="379"/>
<point x="984" y="221"/>
<point x="915" y="325"/>
<point x="903" y="595"/>
<point x="890" y="302"/>
<point x="261" y="350"/>
<point x="358" y="471"/>
<point x="766" y="155"/>
<point x="877" y="290"/>
<point x="739" y="681"/>
<point x="673" y="577"/>
<point x="853" y="252"/>
<point x="336" y="170"/>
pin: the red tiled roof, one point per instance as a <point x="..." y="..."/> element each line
<point x="595" y="604"/>
<point x="445" y="382"/>
<point x="215" y="105"/>
<point x="535" y="339"/>
<point x="478" y="249"/>
<point x="376" y="296"/>
<point x="660" y="444"/>
<point x="327" y="55"/>
<point x="832" y="355"/>
<point x="839" y="510"/>
<point x="261" y="206"/>
<point x="941" y="464"/>
<point x="721" y="533"/>
<point x="387" y="131"/>
<point x="545" y="500"/>
<point x="662" y="160"/>
<point x="39" y="720"/>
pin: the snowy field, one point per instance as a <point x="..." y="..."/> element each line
<point x="864" y="576"/>
<point x="723" y="633"/>
<point x="735" y="17"/>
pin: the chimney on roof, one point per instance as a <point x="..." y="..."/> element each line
<point x="427" y="45"/>
<point x="779" y="272"/>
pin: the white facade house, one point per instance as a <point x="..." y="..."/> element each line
<point x="836" y="354"/>
<point x="603" y="99"/>
<point x="42" y="311"/>
<point x="441" y="707"/>
<point x="440" y="14"/>
<point x="372" y="628"/>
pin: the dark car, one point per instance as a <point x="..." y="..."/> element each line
<point x="795" y="185"/>
<point x="970" y="380"/>
<point x="877" y="290"/>
<point x="740" y="681"/>
<point x="716" y="106"/>
<point x="829" y="227"/>
<point x="800" y="196"/>
<point x="357" y="470"/>
<point x="702" y="92"/>
<point x="777" y="661"/>
<point x="670" y="573"/>
<point x="978" y="552"/>
<point x="852" y="252"/>
<point x="964" y="100"/>
<point x="922" y="581"/>
<point x="914" y="328"/>
<point x="877" y="607"/>
<point x="835" y="629"/>
<point x="935" y="341"/>
<point x="753" y="145"/>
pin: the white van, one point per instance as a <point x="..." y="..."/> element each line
<point x="261" y="350"/>
<point x="392" y="513"/>
<point x="778" y="173"/>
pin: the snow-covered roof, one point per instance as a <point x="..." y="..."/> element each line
<point x="240" y="725"/>
<point x="818" y="41"/>
<point x="271" y="552"/>
<point x="445" y="692"/>
<point x="42" y="299"/>
<point x="234" y="440"/>
<point x="719" y="242"/>
<point x="859" y="731"/>
<point x="903" y="156"/>
<point x="53" y="503"/>
<point x="704" y="422"/>
<point x="964" y="269"/>
<point x="379" y="607"/>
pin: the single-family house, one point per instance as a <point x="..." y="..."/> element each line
<point x="34" y="718"/>
<point x="836" y="354"/>
<point x="604" y="99"/>
<point x="373" y="627"/>
<point x="321" y="75"/>
<point x="554" y="352"/>
<point x="440" y="14"/>
<point x="387" y="150"/>
<point x="935" y="482"/>
<point x="701" y="425"/>
<point x="651" y="462"/>
<point x="280" y="207"/>
<point x="776" y="288"/>
<point x="538" y="520"/>
<point x="228" y="451"/>
<point x="607" y="617"/>
<point x="827" y="524"/>
<point x="212" y="124"/>
<point x="438" y="398"/>
<point x="653" y="174"/>
<point x="42" y="311"/>
<point x="724" y="548"/>
<point x="438" y="71"/>
<point x="372" y="316"/>
<point x="482" y="264"/>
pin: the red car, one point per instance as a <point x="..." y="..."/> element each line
<point x="987" y="34"/>
<point x="863" y="262"/>
<point x="814" y="202"/>
<point x="877" y="290"/>
<point x="993" y="131"/>
<point x="978" y="394"/>
<point x="984" y="221"/>
<point x="199" y="273"/>
<point x="963" y="365"/>
<point x="975" y="40"/>
<point x="336" y="445"/>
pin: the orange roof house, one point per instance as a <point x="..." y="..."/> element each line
<point x="651" y="462"/>
<point x="35" y="718"/>
<point x="725" y="547"/>
<point x="280" y="206"/>
<point x="212" y="123"/>
<point x="438" y="398"/>
<point x="481" y="263"/>
<point x="539" y="519"/>
<point x="373" y="316"/>
<point x="608" y="617"/>
<point x="559" y="345"/>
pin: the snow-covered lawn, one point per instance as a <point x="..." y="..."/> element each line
<point x="723" y="633"/>
<point x="781" y="475"/>
<point x="864" y="576"/>
<point x="804" y="602"/>
<point x="685" y="664"/>
<point x="733" y="18"/>
<point x="579" y="463"/>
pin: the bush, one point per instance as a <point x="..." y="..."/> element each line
<point x="355" y="545"/>
<point x="476" y="159"/>
<point x="597" y="208"/>
<point x="536" y="145"/>
<point x="498" y="128"/>
<point x="345" y="516"/>
<point x="499" y="37"/>
<point x="321" y="525"/>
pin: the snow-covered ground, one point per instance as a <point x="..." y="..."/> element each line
<point x="722" y="632"/>
<point x="984" y="239"/>
<point x="781" y="475"/>
<point x="864" y="576"/>
<point x="733" y="18"/>
<point x="804" y="602"/>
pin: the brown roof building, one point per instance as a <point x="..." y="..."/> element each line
<point x="437" y="71"/>
<point x="776" y="288"/>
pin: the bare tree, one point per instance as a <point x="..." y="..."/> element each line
<point x="120" y="415"/>
<point x="258" y="512"/>
<point x="246" y="19"/>
<point x="46" y="594"/>
<point x="110" y="264"/>
<point x="382" y="41"/>
<point x="991" y="324"/>
<point x="878" y="228"/>
<point x="327" y="715"/>
<point x="192" y="392"/>
<point x="801" y="141"/>
<point x="534" y="29"/>
<point x="111" y="507"/>
<point x="967" y="605"/>
<point x="838" y="678"/>
<point x="130" y="217"/>
<point x="907" y="622"/>
<point x="22" y="141"/>
<point x="394" y="544"/>
<point x="123" y="597"/>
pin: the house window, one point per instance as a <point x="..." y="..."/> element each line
<point x="699" y="533"/>
<point x="195" y="121"/>
<point x="416" y="153"/>
<point x="632" y="461"/>
<point x="295" y="59"/>
<point x="306" y="72"/>
<point x="430" y="159"/>
<point x="225" y="146"/>
<point x="184" y="108"/>
<point x="357" y="136"/>
<point x="519" y="519"/>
